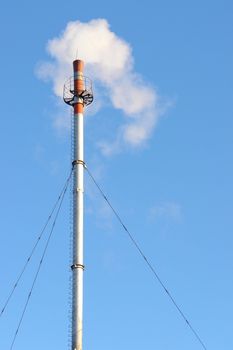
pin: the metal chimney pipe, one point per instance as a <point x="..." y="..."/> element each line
<point x="78" y="189"/>
<point x="78" y="93"/>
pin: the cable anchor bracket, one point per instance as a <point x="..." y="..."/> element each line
<point x="77" y="266"/>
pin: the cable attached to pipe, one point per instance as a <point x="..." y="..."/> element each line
<point x="32" y="250"/>
<point x="41" y="260"/>
<point x="149" y="264"/>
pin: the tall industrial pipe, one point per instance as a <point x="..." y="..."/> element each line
<point x="78" y="93"/>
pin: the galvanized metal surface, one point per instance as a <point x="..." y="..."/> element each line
<point x="77" y="303"/>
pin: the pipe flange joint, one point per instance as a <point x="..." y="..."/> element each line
<point x="76" y="162"/>
<point x="77" y="266"/>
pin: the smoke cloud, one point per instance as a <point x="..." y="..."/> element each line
<point x="109" y="62"/>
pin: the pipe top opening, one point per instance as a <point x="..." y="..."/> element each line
<point x="78" y="66"/>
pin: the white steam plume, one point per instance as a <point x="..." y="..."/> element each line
<point x="108" y="61"/>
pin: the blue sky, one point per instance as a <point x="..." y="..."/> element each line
<point x="174" y="192"/>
